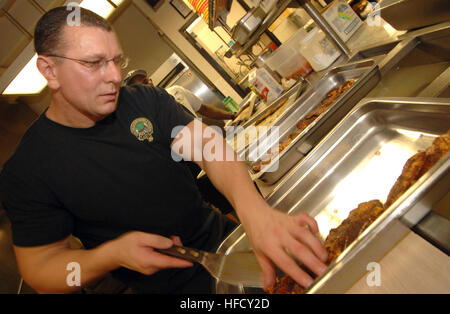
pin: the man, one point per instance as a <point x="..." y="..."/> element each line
<point x="182" y="95"/>
<point x="99" y="164"/>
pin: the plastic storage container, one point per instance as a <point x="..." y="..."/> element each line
<point x="289" y="63"/>
<point x="318" y="50"/>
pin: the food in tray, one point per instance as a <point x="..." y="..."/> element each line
<point x="417" y="165"/>
<point x="264" y="121"/>
<point x="360" y="218"/>
<point x="337" y="241"/>
<point x="271" y="115"/>
<point x="303" y="123"/>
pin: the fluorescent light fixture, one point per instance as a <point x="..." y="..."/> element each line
<point x="30" y="80"/>
<point x="117" y="2"/>
<point x="193" y="24"/>
<point x="102" y="8"/>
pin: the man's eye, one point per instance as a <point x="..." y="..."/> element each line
<point x="93" y="64"/>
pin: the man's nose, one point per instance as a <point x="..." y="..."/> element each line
<point x="112" y="72"/>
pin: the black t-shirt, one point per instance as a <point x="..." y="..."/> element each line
<point x="100" y="182"/>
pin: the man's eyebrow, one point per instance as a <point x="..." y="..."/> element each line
<point x="98" y="56"/>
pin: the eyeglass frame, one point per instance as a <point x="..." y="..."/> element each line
<point x="91" y="65"/>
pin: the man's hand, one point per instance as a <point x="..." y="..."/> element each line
<point x="282" y="239"/>
<point x="135" y="251"/>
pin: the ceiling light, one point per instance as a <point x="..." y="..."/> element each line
<point x="102" y="8"/>
<point x="28" y="81"/>
<point x="117" y="2"/>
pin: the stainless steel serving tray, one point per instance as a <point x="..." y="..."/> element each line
<point x="293" y="93"/>
<point x="358" y="161"/>
<point x="366" y="74"/>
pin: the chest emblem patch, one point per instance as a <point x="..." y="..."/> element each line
<point x="142" y="128"/>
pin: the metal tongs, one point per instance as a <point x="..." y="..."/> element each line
<point x="240" y="268"/>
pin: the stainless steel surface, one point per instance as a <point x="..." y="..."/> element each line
<point x="433" y="38"/>
<point x="440" y="87"/>
<point x="409" y="14"/>
<point x="359" y="160"/>
<point x="248" y="25"/>
<point x="238" y="50"/>
<point x="411" y="67"/>
<point x="436" y="229"/>
<point x="412" y="74"/>
<point x="192" y="82"/>
<point x="240" y="268"/>
<point x="326" y="28"/>
<point x="366" y="75"/>
<point x="398" y="53"/>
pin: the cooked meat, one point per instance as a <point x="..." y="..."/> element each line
<point x="417" y="165"/>
<point x="337" y="241"/>
<point x="257" y="167"/>
<point x="272" y="111"/>
<point x="410" y="174"/>
<point x="439" y="148"/>
<point x="285" y="285"/>
<point x="360" y="218"/>
<point x="308" y="119"/>
<point x="357" y="221"/>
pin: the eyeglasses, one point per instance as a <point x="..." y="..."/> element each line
<point x="96" y="65"/>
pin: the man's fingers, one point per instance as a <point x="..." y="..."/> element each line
<point x="290" y="268"/>
<point x="161" y="260"/>
<point x="303" y="219"/>
<point x="304" y="236"/>
<point x="268" y="271"/>
<point x="304" y="255"/>
<point x="176" y="240"/>
<point x="154" y="240"/>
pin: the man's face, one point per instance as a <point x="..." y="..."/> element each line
<point x="92" y="92"/>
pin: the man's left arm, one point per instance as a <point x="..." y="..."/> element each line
<point x="215" y="113"/>
<point x="276" y="237"/>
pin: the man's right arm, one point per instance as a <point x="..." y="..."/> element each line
<point x="44" y="267"/>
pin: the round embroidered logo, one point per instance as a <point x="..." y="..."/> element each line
<point x="142" y="128"/>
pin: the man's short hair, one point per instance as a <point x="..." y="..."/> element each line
<point x="48" y="31"/>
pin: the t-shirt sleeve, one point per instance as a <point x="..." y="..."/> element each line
<point x="37" y="217"/>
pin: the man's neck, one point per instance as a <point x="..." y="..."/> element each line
<point x="63" y="113"/>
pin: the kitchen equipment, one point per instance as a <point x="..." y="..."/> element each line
<point x="174" y="71"/>
<point x="342" y="19"/>
<point x="238" y="49"/>
<point x="262" y="83"/>
<point x="292" y="94"/>
<point x="247" y="112"/>
<point x="248" y="25"/>
<point x="318" y="50"/>
<point x="240" y="268"/>
<point x="409" y="14"/>
<point x="289" y="63"/>
<point x="359" y="160"/>
<point x="365" y="73"/>
<point x="415" y="65"/>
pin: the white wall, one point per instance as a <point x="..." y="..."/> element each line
<point x="168" y="21"/>
<point x="140" y="41"/>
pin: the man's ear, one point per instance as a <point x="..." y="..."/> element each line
<point x="47" y="68"/>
